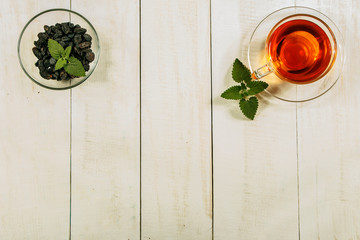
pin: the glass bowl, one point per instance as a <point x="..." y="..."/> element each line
<point x="29" y="34"/>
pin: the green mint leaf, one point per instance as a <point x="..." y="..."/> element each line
<point x="60" y="63"/>
<point x="256" y="87"/>
<point x="232" y="93"/>
<point x="243" y="86"/>
<point x="240" y="72"/>
<point x="55" y="49"/>
<point x="74" y="67"/>
<point x="245" y="91"/>
<point x="249" y="107"/>
<point x="67" y="52"/>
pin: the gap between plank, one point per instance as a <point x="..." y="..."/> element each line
<point x="140" y="126"/>
<point x="211" y="126"/>
<point x="297" y="169"/>
<point x="70" y="175"/>
<point x="70" y="162"/>
<point x="297" y="161"/>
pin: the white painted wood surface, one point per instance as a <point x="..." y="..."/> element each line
<point x="176" y="120"/>
<point x="329" y="142"/>
<point x="255" y="173"/>
<point x="105" y="128"/>
<point x="34" y="140"/>
<point x="153" y="151"/>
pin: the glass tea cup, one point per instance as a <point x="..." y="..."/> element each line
<point x="304" y="50"/>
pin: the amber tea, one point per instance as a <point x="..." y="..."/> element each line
<point x="300" y="51"/>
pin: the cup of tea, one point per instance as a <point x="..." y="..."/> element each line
<point x="298" y="51"/>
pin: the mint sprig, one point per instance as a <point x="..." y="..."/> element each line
<point x="246" y="91"/>
<point x="71" y="65"/>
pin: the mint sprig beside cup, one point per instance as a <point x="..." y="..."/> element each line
<point x="246" y="91"/>
<point x="71" y="65"/>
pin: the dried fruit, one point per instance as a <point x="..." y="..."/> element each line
<point x="47" y="28"/>
<point x="65" y="39"/>
<point x="63" y="44"/>
<point x="65" y="28"/>
<point x="79" y="30"/>
<point x="87" y="37"/>
<point x="90" y="56"/>
<point x="66" y="34"/>
<point x="46" y="63"/>
<point x="43" y="36"/>
<point x="37" y="53"/>
<point x="84" y="44"/>
<point x="77" y="39"/>
<point x="58" y="34"/>
<point x="52" y="61"/>
<point x="63" y="75"/>
<point x="44" y="74"/>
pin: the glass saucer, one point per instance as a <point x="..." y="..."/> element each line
<point x="279" y="88"/>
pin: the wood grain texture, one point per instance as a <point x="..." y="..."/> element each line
<point x="329" y="142"/>
<point x="98" y="124"/>
<point x="176" y="118"/>
<point x="255" y="164"/>
<point x="34" y="140"/>
<point x="105" y="128"/>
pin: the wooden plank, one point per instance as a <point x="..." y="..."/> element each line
<point x="105" y="128"/>
<point x="329" y="142"/>
<point x="176" y="120"/>
<point x="255" y="164"/>
<point x="34" y="140"/>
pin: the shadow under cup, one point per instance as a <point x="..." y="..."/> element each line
<point x="304" y="50"/>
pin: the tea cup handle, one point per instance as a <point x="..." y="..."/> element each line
<point x="262" y="71"/>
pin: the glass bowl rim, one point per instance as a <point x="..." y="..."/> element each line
<point x="340" y="47"/>
<point x="54" y="10"/>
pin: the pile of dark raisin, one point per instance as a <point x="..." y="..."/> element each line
<point x="66" y="34"/>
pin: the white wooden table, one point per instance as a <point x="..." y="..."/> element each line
<point x="146" y="148"/>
